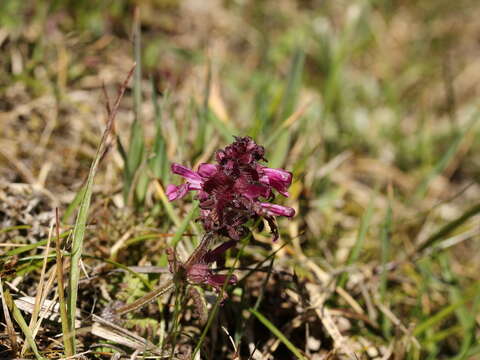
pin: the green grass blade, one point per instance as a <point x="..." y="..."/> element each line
<point x="386" y="236"/>
<point x="67" y="339"/>
<point x="74" y="204"/>
<point x="446" y="311"/>
<point x="167" y="205"/>
<point x="451" y="226"/>
<point x="203" y="112"/>
<point x="280" y="137"/>
<point x="294" y="82"/>
<point x="17" y="227"/>
<point x="183" y="226"/>
<point x="281" y="146"/>
<point x="136" y="146"/>
<point x="226" y="130"/>
<point x="134" y="157"/>
<point x="22" y="249"/>
<point x="362" y="233"/>
<point x="121" y="150"/>
<point x="454" y="290"/>
<point x="159" y="163"/>
<point x="274" y="330"/>
<point x="77" y="243"/>
<point x="17" y="315"/>
<point x="81" y="221"/>
<point x="445" y="159"/>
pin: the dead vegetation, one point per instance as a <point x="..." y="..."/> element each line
<point x="372" y="105"/>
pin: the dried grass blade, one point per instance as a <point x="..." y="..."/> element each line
<point x="110" y="331"/>
<point x="341" y="343"/>
<point x="40" y="293"/>
<point x="81" y="222"/>
<point x="8" y="321"/>
<point x="49" y="309"/>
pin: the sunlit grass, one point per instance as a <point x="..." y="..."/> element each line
<point x="372" y="104"/>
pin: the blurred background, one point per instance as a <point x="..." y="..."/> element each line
<point x="373" y="104"/>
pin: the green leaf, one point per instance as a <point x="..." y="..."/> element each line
<point x="183" y="226"/>
<point x="449" y="227"/>
<point x="17" y="315"/>
<point x="275" y="331"/>
<point x="136" y="146"/>
<point x="280" y="138"/>
<point x="362" y="233"/>
<point x="445" y="159"/>
<point x="446" y="311"/>
<point x="81" y="221"/>
<point x="74" y="204"/>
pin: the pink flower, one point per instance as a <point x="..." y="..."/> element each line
<point x="279" y="179"/>
<point x="230" y="192"/>
<point x="194" y="179"/>
<point x="197" y="270"/>
<point x="277" y="210"/>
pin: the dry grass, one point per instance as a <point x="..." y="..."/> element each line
<point x="373" y="105"/>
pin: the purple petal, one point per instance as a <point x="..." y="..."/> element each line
<point x="252" y="191"/>
<point x="177" y="192"/>
<point x="191" y="176"/>
<point x="279" y="179"/>
<point x="199" y="273"/>
<point x="213" y="255"/>
<point x="207" y="170"/>
<point x="217" y="281"/>
<point x="278" y="210"/>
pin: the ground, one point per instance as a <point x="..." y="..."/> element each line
<point x="373" y="106"/>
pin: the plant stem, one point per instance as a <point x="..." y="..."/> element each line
<point x="152" y="295"/>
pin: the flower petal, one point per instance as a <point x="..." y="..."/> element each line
<point x="217" y="281"/>
<point x="279" y="179"/>
<point x="251" y="191"/>
<point x="207" y="170"/>
<point x="177" y="192"/>
<point x="199" y="273"/>
<point x="278" y="210"/>
<point x="214" y="255"/>
<point x="191" y="176"/>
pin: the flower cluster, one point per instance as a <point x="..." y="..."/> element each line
<point x="196" y="269"/>
<point x="235" y="190"/>
<point x="231" y="192"/>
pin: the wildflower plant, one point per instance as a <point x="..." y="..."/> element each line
<point x="234" y="194"/>
<point x="235" y="190"/>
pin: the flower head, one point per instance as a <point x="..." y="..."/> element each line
<point x="197" y="270"/>
<point x="231" y="191"/>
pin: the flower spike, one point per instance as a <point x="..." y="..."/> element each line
<point x="235" y="190"/>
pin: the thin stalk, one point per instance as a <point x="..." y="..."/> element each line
<point x="213" y="312"/>
<point x="176" y="318"/>
<point x="67" y="339"/>
<point x="146" y="299"/>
